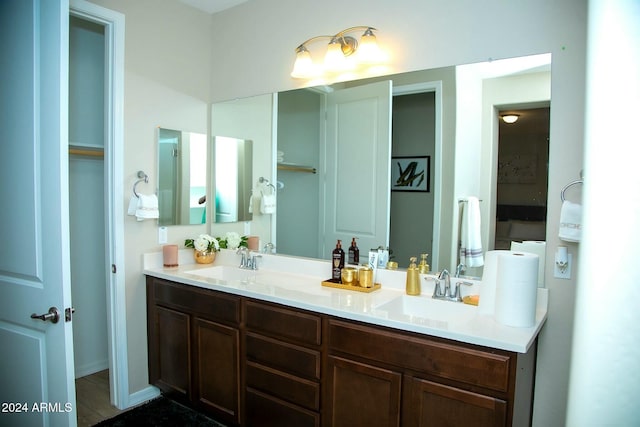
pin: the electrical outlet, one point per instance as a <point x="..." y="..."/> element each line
<point x="162" y="235"/>
<point x="563" y="273"/>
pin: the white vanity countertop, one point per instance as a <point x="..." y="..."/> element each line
<point x="296" y="282"/>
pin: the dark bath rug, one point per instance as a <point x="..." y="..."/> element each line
<point x="160" y="412"/>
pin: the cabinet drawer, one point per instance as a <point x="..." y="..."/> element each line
<point x="284" y="386"/>
<point x="283" y="323"/>
<point x="265" y="410"/>
<point x="467" y="364"/>
<point x="203" y="302"/>
<point x="286" y="357"/>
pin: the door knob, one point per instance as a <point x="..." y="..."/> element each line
<point x="53" y="315"/>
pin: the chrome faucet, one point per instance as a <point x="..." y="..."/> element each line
<point x="447" y="293"/>
<point x="438" y="292"/>
<point x="460" y="269"/>
<point x="268" y="248"/>
<point x="248" y="260"/>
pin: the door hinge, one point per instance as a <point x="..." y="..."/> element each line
<point x="67" y="313"/>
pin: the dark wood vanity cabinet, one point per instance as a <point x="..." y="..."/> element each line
<point x="254" y="363"/>
<point x="194" y="346"/>
<point x="379" y="376"/>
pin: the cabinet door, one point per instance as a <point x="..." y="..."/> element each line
<point x="216" y="366"/>
<point x="432" y="404"/>
<point x="361" y="395"/>
<point x="169" y="367"/>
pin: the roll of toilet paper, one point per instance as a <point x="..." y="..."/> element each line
<point x="487" y="302"/>
<point x="516" y="289"/>
<point x="535" y="247"/>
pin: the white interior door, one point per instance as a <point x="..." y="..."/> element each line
<point x="36" y="372"/>
<point x="357" y="187"/>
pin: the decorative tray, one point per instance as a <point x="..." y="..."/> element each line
<point x="356" y="288"/>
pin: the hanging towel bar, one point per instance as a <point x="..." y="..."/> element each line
<point x="141" y="177"/>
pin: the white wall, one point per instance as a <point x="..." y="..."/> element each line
<point x="429" y="34"/>
<point x="605" y="374"/>
<point x="167" y="77"/>
<point x="252" y="48"/>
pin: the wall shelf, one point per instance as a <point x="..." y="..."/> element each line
<point x="296" y="168"/>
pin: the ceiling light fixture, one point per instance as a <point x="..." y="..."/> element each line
<point x="510" y="118"/>
<point x="343" y="53"/>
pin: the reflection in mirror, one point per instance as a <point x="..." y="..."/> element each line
<point x="182" y="177"/>
<point x="233" y="171"/>
<point x="457" y="129"/>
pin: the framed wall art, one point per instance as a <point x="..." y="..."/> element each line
<point x="410" y="173"/>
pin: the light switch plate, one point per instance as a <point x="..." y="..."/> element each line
<point x="566" y="274"/>
<point x="162" y="235"/>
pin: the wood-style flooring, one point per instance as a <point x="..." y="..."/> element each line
<point x="92" y="399"/>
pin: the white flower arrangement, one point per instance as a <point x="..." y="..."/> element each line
<point x="233" y="240"/>
<point x="203" y="243"/>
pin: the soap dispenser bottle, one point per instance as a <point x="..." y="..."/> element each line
<point x="413" y="278"/>
<point x="354" y="252"/>
<point x="423" y="266"/>
<point x="337" y="262"/>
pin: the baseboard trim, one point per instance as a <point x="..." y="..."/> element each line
<point x="143" y="396"/>
<point x="91" y="368"/>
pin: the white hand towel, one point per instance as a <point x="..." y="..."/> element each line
<point x="133" y="205"/>
<point x="470" y="240"/>
<point x="570" y="222"/>
<point x="147" y="207"/>
<point x="268" y="204"/>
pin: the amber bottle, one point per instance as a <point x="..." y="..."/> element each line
<point x="337" y="262"/>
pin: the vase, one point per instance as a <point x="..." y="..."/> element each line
<point x="204" y="257"/>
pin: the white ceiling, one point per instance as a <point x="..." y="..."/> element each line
<point x="212" y="6"/>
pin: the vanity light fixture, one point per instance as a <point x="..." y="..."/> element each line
<point x="510" y="118"/>
<point x="344" y="53"/>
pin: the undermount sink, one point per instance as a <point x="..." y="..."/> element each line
<point x="263" y="281"/>
<point x="424" y="309"/>
<point x="223" y="272"/>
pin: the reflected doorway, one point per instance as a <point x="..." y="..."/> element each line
<point x="523" y="163"/>
<point x="412" y="212"/>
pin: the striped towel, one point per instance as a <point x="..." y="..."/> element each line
<point x="470" y="240"/>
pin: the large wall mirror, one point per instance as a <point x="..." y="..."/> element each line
<point x="182" y="177"/>
<point x="233" y="171"/>
<point x="449" y="116"/>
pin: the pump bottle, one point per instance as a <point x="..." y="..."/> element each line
<point x="337" y="262"/>
<point x="413" y="278"/>
<point x="354" y="252"/>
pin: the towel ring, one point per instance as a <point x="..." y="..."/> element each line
<point x="263" y="180"/>
<point x="566" y="187"/>
<point x="141" y="177"/>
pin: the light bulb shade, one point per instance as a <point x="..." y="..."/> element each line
<point x="303" y="67"/>
<point x="343" y="55"/>
<point x="368" y="50"/>
<point x="510" y="118"/>
<point x="334" y="60"/>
